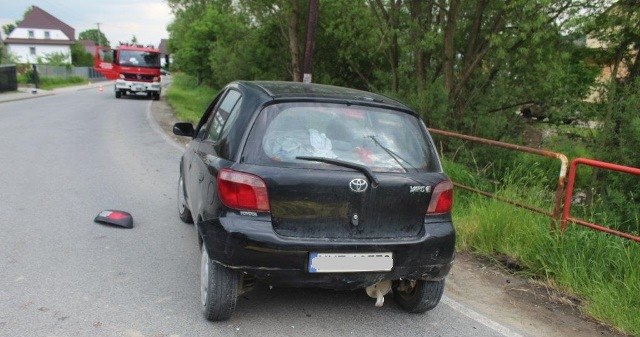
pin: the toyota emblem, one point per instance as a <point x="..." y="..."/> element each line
<point x="358" y="185"/>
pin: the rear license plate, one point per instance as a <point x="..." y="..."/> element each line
<point x="137" y="88"/>
<point x="349" y="262"/>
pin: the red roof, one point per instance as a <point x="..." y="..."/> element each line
<point x="36" y="17"/>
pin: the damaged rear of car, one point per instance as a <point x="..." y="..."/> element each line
<point x="328" y="187"/>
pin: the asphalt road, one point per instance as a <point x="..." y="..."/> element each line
<point x="64" y="158"/>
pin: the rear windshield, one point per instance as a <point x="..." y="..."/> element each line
<point x="383" y="140"/>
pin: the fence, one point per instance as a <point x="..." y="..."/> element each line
<point x="557" y="204"/>
<point x="45" y="70"/>
<point x="561" y="211"/>
<point x="8" y="78"/>
<point x="566" y="214"/>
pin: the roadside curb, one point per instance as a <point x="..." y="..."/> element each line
<point x="153" y="112"/>
<point x="47" y="93"/>
<point x="155" y="125"/>
<point x="27" y="97"/>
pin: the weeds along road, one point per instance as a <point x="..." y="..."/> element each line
<point x="68" y="156"/>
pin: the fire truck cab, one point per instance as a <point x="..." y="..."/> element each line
<point x="136" y="69"/>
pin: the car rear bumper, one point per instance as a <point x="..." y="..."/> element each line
<point x="251" y="246"/>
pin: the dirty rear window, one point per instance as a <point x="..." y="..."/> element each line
<point x="381" y="139"/>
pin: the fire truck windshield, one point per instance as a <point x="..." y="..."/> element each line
<point x="137" y="58"/>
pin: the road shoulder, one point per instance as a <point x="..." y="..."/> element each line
<point x="28" y="93"/>
<point x="525" y="304"/>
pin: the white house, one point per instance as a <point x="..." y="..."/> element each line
<point x="38" y="35"/>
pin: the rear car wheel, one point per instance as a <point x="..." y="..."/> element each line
<point x="417" y="296"/>
<point x="183" y="210"/>
<point x="218" y="289"/>
<point x="118" y="94"/>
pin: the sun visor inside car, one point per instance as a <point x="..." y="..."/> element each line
<point x="115" y="217"/>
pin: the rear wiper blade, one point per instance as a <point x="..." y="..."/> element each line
<point x="392" y="154"/>
<point x="365" y="170"/>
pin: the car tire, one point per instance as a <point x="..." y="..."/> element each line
<point x="419" y="297"/>
<point x="156" y="96"/>
<point x="183" y="210"/>
<point x="218" y="289"/>
<point x="118" y="94"/>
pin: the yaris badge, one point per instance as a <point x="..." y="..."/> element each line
<point x="358" y="185"/>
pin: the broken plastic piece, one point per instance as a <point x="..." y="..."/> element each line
<point x="115" y="217"/>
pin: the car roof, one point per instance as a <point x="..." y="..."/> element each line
<point x="298" y="90"/>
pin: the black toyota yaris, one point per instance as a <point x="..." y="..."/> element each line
<point x="308" y="185"/>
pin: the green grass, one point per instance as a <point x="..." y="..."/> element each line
<point x="187" y="99"/>
<point x="600" y="269"/>
<point x="48" y="83"/>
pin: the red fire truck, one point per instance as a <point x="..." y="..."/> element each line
<point x="136" y="69"/>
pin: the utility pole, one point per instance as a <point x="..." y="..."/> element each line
<point x="311" y="36"/>
<point x="99" y="34"/>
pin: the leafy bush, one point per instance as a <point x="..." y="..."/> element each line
<point x="55" y="59"/>
<point x="188" y="99"/>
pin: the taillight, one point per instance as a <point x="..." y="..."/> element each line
<point x="156" y="79"/>
<point x="242" y="191"/>
<point x="441" y="198"/>
<point x="121" y="76"/>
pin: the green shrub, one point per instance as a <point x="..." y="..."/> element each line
<point x="188" y="99"/>
<point x="48" y="83"/>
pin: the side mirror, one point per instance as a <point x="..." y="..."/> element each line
<point x="183" y="129"/>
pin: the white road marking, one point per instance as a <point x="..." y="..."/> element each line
<point x="484" y="320"/>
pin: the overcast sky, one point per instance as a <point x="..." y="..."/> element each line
<point x="120" y="19"/>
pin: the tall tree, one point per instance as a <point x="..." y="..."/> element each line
<point x="96" y="36"/>
<point x="79" y="56"/>
<point x="617" y="29"/>
<point x="8" y="28"/>
<point x="615" y="34"/>
<point x="289" y="17"/>
<point x="388" y="14"/>
<point x="462" y="62"/>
